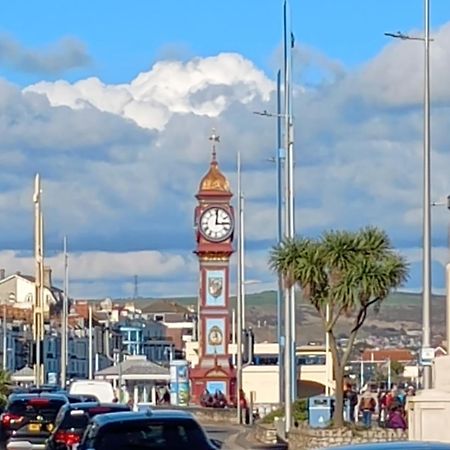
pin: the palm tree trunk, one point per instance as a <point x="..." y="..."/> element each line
<point x="338" y="369"/>
<point x="338" y="416"/>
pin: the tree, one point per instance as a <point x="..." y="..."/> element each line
<point x="346" y="273"/>
<point x="397" y="370"/>
<point x="5" y="387"/>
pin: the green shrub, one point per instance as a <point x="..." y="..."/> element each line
<point x="299" y="412"/>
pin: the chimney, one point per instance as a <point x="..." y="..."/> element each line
<point x="47" y="276"/>
<point x="2" y="274"/>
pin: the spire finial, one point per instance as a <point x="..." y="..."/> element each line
<point x="214" y="138"/>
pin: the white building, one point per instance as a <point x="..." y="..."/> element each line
<point x="18" y="290"/>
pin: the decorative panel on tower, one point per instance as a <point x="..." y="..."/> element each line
<point x="214" y="232"/>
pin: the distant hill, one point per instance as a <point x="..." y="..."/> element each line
<point x="400" y="311"/>
<point x="267" y="299"/>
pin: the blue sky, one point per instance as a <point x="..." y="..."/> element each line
<point x="125" y="39"/>
<point x="113" y="103"/>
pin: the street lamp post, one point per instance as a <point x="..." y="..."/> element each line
<point x="289" y="297"/>
<point x="240" y="290"/>
<point x="90" y="351"/>
<point x="278" y="159"/>
<point x="5" y="330"/>
<point x="64" y="327"/>
<point x="426" y="224"/>
<point x="38" y="307"/>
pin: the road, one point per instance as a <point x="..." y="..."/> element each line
<point x="220" y="432"/>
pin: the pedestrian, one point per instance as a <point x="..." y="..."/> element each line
<point x="367" y="405"/>
<point x="352" y="398"/>
<point x="396" y="420"/>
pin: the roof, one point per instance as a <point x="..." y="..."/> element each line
<point x="135" y="366"/>
<point x="149" y="414"/>
<point x="394" y="354"/>
<point x="24" y="372"/>
<point x="164" y="306"/>
<point x="31" y="279"/>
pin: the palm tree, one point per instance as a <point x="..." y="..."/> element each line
<point x="5" y="386"/>
<point x="346" y="273"/>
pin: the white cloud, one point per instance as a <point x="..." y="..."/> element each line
<point x="169" y="87"/>
<point x="121" y="163"/>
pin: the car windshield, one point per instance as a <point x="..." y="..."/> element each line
<point x="167" y="435"/>
<point x="35" y="408"/>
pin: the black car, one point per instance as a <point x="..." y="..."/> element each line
<point x="31" y="417"/>
<point x="73" y="419"/>
<point x="149" y="430"/>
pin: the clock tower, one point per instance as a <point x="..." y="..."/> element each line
<point x="214" y="230"/>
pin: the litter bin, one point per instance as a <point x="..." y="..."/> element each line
<point x="320" y="411"/>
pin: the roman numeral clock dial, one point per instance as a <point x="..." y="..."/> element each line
<point x="216" y="224"/>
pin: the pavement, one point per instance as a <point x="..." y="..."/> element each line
<point x="222" y="432"/>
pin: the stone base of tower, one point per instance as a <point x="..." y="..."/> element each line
<point x="218" y="377"/>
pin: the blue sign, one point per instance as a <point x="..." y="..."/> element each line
<point x="179" y="383"/>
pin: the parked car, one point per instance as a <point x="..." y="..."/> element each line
<point x="73" y="419"/>
<point x="30" y="418"/>
<point x="150" y="430"/>
<point x="396" y="445"/>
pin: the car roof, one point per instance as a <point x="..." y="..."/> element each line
<point x="87" y="405"/>
<point x="397" y="445"/>
<point x="138" y="416"/>
<point x="27" y="396"/>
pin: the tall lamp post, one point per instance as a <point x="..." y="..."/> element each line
<point x="38" y="307"/>
<point x="240" y="289"/>
<point x="426" y="225"/>
<point x="290" y="364"/>
<point x="64" y="327"/>
<point x="279" y="161"/>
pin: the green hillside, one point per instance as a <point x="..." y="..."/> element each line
<point x="267" y="300"/>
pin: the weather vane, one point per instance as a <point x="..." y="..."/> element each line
<point x="214" y="138"/>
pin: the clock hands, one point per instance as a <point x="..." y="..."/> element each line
<point x="221" y="223"/>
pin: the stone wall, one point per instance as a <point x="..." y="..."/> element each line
<point x="310" y="438"/>
<point x="208" y="415"/>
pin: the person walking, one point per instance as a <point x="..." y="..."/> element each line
<point x="367" y="406"/>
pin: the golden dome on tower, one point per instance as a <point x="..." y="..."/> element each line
<point x="214" y="180"/>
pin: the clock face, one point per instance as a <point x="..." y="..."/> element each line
<point x="216" y="224"/>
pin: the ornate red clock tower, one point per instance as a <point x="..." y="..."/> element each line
<point x="214" y="228"/>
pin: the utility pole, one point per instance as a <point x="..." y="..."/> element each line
<point x="64" y="327"/>
<point x="290" y="359"/>
<point x="38" y="307"/>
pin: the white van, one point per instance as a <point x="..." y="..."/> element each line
<point x="103" y="390"/>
